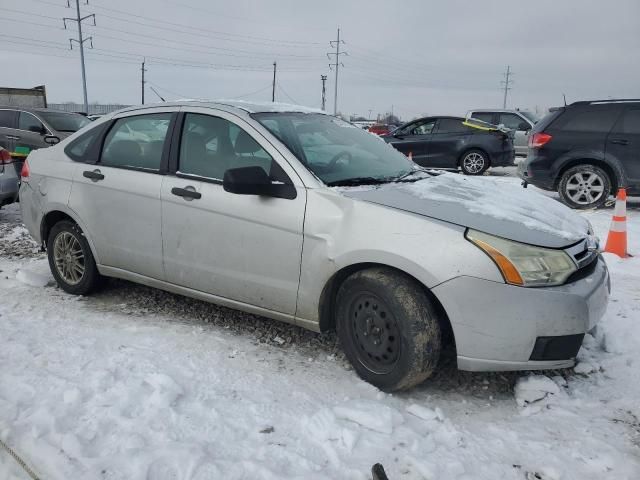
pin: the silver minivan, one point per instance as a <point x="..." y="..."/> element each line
<point x="298" y="216"/>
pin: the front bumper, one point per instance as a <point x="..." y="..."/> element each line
<point x="498" y="326"/>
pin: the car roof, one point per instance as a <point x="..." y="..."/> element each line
<point x="499" y="110"/>
<point x="31" y="109"/>
<point x="238" y="105"/>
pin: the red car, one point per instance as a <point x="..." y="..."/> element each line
<point x="380" y="129"/>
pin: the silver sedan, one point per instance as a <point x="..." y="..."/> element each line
<point x="295" y="215"/>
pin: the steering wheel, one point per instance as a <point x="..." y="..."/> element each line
<point x="334" y="160"/>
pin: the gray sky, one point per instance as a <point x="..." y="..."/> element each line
<point x="422" y="57"/>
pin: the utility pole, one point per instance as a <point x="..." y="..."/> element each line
<point x="369" y="117"/>
<point x="507" y="82"/>
<point x="336" y="65"/>
<point x="80" y="41"/>
<point x="273" y="89"/>
<point x="323" y="78"/>
<point x="143" y="82"/>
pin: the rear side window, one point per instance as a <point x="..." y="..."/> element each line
<point x="451" y="125"/>
<point x="6" y="118"/>
<point x="483" y="116"/>
<point x="593" y="120"/>
<point x="78" y="149"/>
<point x="629" y="122"/>
<point x="136" y="142"/>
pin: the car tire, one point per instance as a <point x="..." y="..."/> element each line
<point x="70" y="259"/>
<point x="584" y="186"/>
<point x="388" y="328"/>
<point x="474" y="162"/>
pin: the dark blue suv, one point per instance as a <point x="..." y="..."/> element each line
<point x="586" y="151"/>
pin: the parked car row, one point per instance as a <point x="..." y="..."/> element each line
<point x="252" y="207"/>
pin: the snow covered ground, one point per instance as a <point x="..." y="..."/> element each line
<point x="133" y="383"/>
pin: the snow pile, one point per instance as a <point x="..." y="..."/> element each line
<point x="36" y="277"/>
<point x="503" y="201"/>
<point x="534" y="388"/>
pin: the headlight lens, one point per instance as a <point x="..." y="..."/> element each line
<point x="522" y="264"/>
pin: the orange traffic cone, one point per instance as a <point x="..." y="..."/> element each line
<point x="617" y="239"/>
<point x="410" y="156"/>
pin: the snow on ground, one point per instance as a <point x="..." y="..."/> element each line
<point x="133" y="383"/>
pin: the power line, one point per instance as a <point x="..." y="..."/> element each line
<point x="287" y="95"/>
<point x="142" y="70"/>
<point x="507" y="82"/>
<point x="336" y="65"/>
<point x="80" y="41"/>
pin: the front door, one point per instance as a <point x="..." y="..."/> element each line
<point x="413" y="139"/>
<point x="241" y="247"/>
<point x="118" y="198"/>
<point x="521" y="129"/>
<point x="624" y="143"/>
<point x="32" y="132"/>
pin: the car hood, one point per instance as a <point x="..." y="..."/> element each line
<point x="490" y="205"/>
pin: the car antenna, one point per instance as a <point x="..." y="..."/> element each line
<point x="154" y="91"/>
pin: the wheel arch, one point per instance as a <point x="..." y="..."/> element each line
<point x="326" y="308"/>
<point x="58" y="214"/>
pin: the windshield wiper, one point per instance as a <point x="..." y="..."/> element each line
<point x="352" y="182"/>
<point x="405" y="176"/>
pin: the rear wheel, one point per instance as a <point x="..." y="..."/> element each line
<point x="474" y="162"/>
<point x="388" y="328"/>
<point x="584" y="186"/>
<point x="71" y="260"/>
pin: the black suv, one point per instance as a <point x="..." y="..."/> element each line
<point x="586" y="151"/>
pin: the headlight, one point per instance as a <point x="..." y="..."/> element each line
<point x="522" y="264"/>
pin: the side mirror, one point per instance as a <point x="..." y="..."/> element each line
<point x="524" y="127"/>
<point x="51" y="139"/>
<point x="255" y="181"/>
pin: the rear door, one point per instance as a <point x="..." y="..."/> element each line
<point x="447" y="143"/>
<point x="118" y="197"/>
<point x="413" y="139"/>
<point x="8" y="133"/>
<point x="624" y="143"/>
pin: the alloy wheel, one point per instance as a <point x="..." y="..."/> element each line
<point x="473" y="162"/>
<point x="68" y="258"/>
<point x="585" y="188"/>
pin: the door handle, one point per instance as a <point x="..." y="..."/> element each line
<point x="94" y="175"/>
<point x="620" y="141"/>
<point x="188" y="193"/>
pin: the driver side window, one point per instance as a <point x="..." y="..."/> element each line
<point x="29" y="122"/>
<point x="209" y="146"/>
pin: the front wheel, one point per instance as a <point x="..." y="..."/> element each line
<point x="388" y="328"/>
<point x="584" y="186"/>
<point x="71" y="260"/>
<point x="474" y="162"/>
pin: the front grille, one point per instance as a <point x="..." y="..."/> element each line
<point x="585" y="258"/>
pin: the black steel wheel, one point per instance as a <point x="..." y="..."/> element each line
<point x="388" y="328"/>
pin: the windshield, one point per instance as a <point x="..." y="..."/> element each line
<point x="531" y="116"/>
<point x="65" y="122"/>
<point x="338" y="152"/>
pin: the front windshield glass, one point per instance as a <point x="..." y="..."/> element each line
<point x="65" y="122"/>
<point x="338" y="152"/>
<point x="531" y="116"/>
